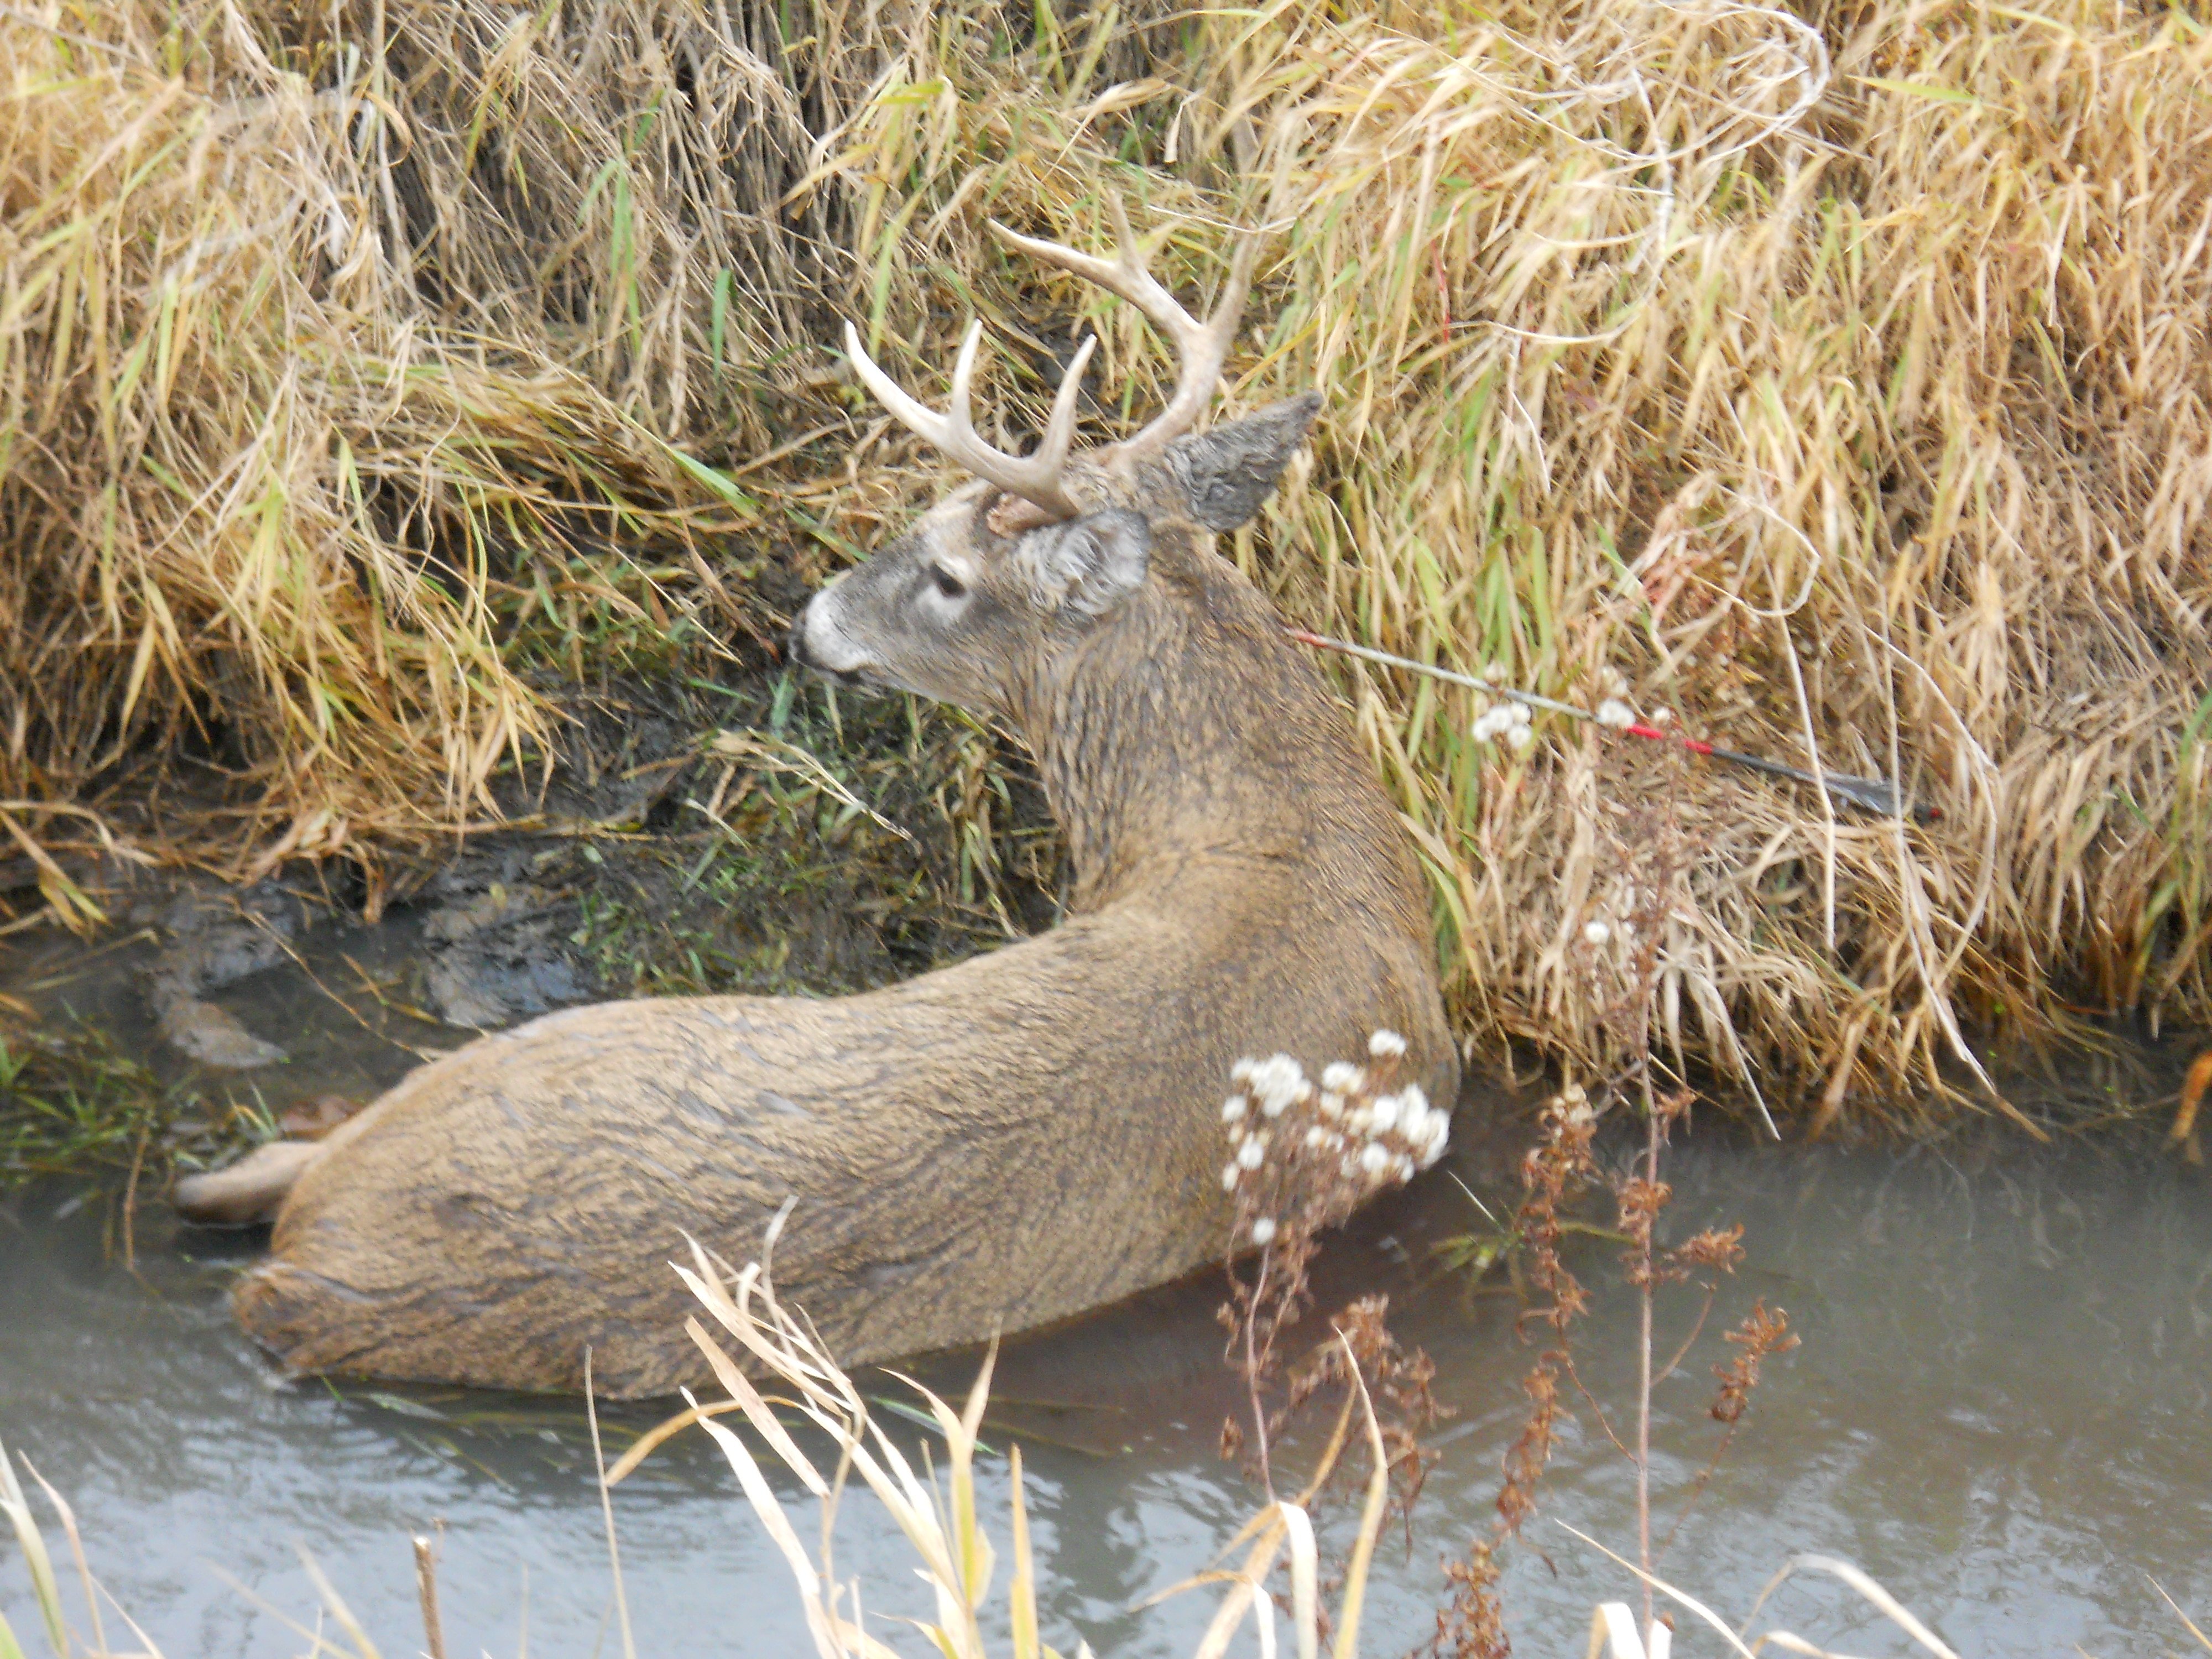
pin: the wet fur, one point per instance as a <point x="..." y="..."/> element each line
<point x="991" y="1146"/>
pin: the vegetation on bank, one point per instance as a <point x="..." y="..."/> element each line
<point x="79" y="1105"/>
<point x="1833" y="381"/>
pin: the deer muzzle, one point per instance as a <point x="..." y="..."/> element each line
<point x="817" y="644"/>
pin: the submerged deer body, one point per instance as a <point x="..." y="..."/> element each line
<point x="995" y="1146"/>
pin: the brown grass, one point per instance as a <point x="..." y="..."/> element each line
<point x="256" y="495"/>
<point x="1841" y="383"/>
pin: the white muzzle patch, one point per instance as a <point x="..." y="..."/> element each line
<point x="827" y="645"/>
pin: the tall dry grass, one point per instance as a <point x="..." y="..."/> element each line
<point x="1837" y="380"/>
<point x="261" y="494"/>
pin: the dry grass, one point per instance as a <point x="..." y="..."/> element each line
<point x="1842" y="383"/>
<point x="258" y="497"/>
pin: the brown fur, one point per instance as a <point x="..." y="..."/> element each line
<point x="995" y="1146"/>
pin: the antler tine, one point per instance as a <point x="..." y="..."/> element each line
<point x="1202" y="347"/>
<point x="1036" y="477"/>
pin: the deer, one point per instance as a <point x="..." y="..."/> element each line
<point x="1002" y="1144"/>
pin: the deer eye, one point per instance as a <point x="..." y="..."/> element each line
<point x="947" y="583"/>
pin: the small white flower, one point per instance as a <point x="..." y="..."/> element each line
<point x="1249" y="1154"/>
<point x="1241" y="1070"/>
<point x="1494" y="724"/>
<point x="1383" y="1114"/>
<point x="1342" y="1076"/>
<point x="1494" y="672"/>
<point x="1412" y="1121"/>
<point x="1229" y="1178"/>
<point x="1661" y="716"/>
<point x="1277" y="1081"/>
<point x="1403" y="1169"/>
<point x="1596" y="932"/>
<point x="1519" y="711"/>
<point x="1615" y="712"/>
<point x="1413" y="1096"/>
<point x="1233" y="1109"/>
<point x="1520" y="737"/>
<point x="1263" y="1229"/>
<point x="1374" y="1157"/>
<point x="1317" y="1135"/>
<point x="1332" y="1105"/>
<point x="1386" y="1042"/>
<point x="1361" y="1122"/>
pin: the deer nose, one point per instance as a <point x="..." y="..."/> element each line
<point x="797" y="653"/>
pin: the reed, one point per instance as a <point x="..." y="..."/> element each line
<point x="1835" y="381"/>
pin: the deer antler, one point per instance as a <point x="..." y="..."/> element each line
<point x="1203" y="347"/>
<point x="1036" y="477"/>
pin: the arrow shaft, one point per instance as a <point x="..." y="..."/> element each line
<point x="1875" y="794"/>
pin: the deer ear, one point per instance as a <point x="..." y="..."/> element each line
<point x="1091" y="564"/>
<point x="1227" y="471"/>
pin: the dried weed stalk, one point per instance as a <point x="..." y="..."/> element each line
<point x="1304" y="1155"/>
<point x="1631" y="949"/>
<point x="1554" y="1173"/>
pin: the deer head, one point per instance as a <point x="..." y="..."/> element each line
<point x="1041" y="548"/>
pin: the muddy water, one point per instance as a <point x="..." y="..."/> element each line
<point x="2002" y="1409"/>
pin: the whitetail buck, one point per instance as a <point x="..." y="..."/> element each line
<point x="997" y="1144"/>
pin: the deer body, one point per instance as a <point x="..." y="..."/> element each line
<point x="995" y="1146"/>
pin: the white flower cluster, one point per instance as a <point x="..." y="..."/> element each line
<point x="1615" y="710"/>
<point x="1506" y="721"/>
<point x="1278" y="1082"/>
<point x="1359" y="1135"/>
<point x="1574" y="1104"/>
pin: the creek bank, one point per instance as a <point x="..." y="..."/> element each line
<point x="756" y="834"/>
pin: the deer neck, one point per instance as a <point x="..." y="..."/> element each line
<point x="1181" y="737"/>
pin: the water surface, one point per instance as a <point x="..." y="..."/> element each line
<point x="2002" y="1409"/>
